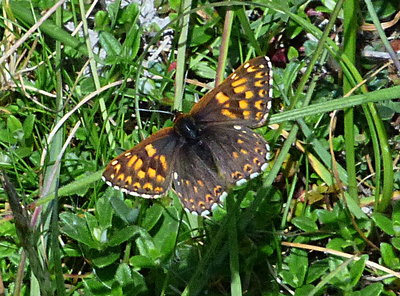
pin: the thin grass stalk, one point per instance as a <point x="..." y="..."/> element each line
<point x="236" y="285"/>
<point x="349" y="48"/>
<point x="388" y="174"/>
<point x="181" y="57"/>
<point x="96" y="80"/>
<point x="223" y="50"/>
<point x="248" y="32"/>
<point x="388" y="170"/>
<point x="54" y="248"/>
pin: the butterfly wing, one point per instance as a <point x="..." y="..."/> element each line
<point x="223" y="155"/>
<point x="243" y="98"/>
<point x="145" y="170"/>
<point x="238" y="152"/>
<point x="197" y="182"/>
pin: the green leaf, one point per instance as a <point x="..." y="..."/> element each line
<point x="105" y="257"/>
<point x="110" y="44"/>
<point x="316" y="270"/>
<point x="354" y="207"/>
<point x="129" y="14"/>
<point x="396" y="242"/>
<point x="383" y="223"/>
<point x="165" y="238"/>
<point x="396" y="218"/>
<point x="14" y="126"/>
<point x="297" y="263"/>
<point x="305" y="224"/>
<point x="152" y="217"/>
<point x="356" y="271"/>
<point x="304" y="290"/>
<point x="292" y="53"/>
<point x="101" y="20"/>
<point x="389" y="257"/>
<point x="127" y="214"/>
<point x="339" y="244"/>
<point x="28" y="125"/>
<point x="140" y="261"/>
<point x="374" y="289"/>
<point x="124" y="275"/>
<point x="76" y="228"/>
<point x="201" y="35"/>
<point x="122" y="235"/>
<point x="104" y="212"/>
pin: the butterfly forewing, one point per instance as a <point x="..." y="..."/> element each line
<point x="243" y="98"/>
<point x="145" y="170"/>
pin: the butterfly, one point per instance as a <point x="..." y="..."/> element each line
<point x="207" y="150"/>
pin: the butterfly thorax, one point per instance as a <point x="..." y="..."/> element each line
<point x="185" y="126"/>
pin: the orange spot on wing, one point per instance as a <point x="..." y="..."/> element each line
<point x="138" y="164"/>
<point x="159" y="189"/>
<point x="152" y="173"/>
<point x="141" y="174"/>
<point x="150" y="150"/>
<point x="117" y="168"/>
<point x="160" y="179"/>
<point x="228" y="113"/>
<point x="259" y="104"/>
<point x="221" y="97"/>
<point x="209" y="198"/>
<point x="132" y="160"/>
<point x="246" y="114"/>
<point x="239" y="82"/>
<point x="129" y="180"/>
<point x="163" y="162"/>
<point x="243" y="104"/>
<point x="248" y="94"/>
<point x="148" y="186"/>
<point x="259" y="115"/>
<point x="240" y="89"/>
<point x="259" y="83"/>
<point x="251" y="69"/>
<point x="259" y="74"/>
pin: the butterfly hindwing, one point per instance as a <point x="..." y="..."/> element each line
<point x="145" y="170"/>
<point x="196" y="179"/>
<point x="242" y="98"/>
<point x="238" y="152"/>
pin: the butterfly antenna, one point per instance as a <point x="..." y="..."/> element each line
<point x="158" y="111"/>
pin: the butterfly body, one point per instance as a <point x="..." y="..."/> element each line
<point x="186" y="127"/>
<point x="207" y="150"/>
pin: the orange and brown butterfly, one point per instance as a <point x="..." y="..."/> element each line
<point x="207" y="150"/>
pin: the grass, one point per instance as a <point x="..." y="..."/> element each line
<point x="66" y="111"/>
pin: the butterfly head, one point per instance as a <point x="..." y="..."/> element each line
<point x="186" y="127"/>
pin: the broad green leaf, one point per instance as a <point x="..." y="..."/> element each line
<point x="304" y="223"/>
<point x="389" y="256"/>
<point x="383" y="223"/>
<point x="104" y="212"/>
